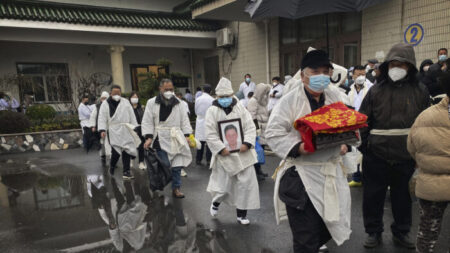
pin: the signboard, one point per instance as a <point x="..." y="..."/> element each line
<point x="414" y="34"/>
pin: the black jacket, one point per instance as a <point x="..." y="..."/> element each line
<point x="431" y="80"/>
<point x="393" y="105"/>
<point x="139" y="113"/>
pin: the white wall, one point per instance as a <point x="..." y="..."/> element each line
<point x="149" y="5"/>
<point x="83" y="60"/>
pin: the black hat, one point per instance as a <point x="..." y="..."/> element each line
<point x="373" y="61"/>
<point x="316" y="59"/>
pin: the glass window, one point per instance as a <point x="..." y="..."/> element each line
<point x="287" y="30"/>
<point x="312" y="28"/>
<point x="141" y="72"/>
<point x="351" y="22"/>
<point x="350" y="55"/>
<point x="49" y="82"/>
<point x="290" y="67"/>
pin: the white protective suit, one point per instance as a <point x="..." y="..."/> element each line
<point x="233" y="178"/>
<point x="93" y="117"/>
<point x="201" y="106"/>
<point x="278" y="91"/>
<point x="120" y="128"/>
<point x="84" y="113"/>
<point x="322" y="174"/>
<point x="355" y="99"/>
<point x="170" y="133"/>
<point x="257" y="106"/>
<point x="245" y="89"/>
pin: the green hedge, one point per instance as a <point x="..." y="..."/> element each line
<point x="13" y="122"/>
<point x="40" y="112"/>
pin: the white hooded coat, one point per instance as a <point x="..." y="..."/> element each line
<point x="257" y="106"/>
<point x="170" y="133"/>
<point x="202" y="104"/>
<point x="324" y="179"/>
<point x="233" y="178"/>
<point x="120" y="128"/>
<point x="355" y="99"/>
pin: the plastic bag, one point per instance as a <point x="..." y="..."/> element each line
<point x="260" y="152"/>
<point x="159" y="172"/>
<point x="351" y="160"/>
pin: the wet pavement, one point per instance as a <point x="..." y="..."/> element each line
<point x="64" y="201"/>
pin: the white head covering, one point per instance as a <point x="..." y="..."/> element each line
<point x="338" y="69"/>
<point x="105" y="94"/>
<point x="224" y="87"/>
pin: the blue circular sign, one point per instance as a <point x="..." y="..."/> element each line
<point x="414" y="34"/>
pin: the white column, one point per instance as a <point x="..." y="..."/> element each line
<point x="117" y="65"/>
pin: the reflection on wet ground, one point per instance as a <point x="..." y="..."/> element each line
<point x="46" y="207"/>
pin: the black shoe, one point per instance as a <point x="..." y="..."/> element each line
<point x="199" y="163"/>
<point x="403" y="240"/>
<point x="372" y="240"/>
<point x="127" y="175"/>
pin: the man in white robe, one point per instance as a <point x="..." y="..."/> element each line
<point x="358" y="91"/>
<point x="311" y="188"/>
<point x="233" y="178"/>
<point x="166" y="128"/>
<point x="93" y="124"/>
<point x="116" y="124"/>
<point x="275" y="93"/>
<point x="246" y="87"/>
<point x="202" y="104"/>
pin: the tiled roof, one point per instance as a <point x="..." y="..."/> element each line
<point x="88" y="15"/>
<point x="189" y="5"/>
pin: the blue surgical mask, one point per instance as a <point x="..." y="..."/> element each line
<point x="318" y="83"/>
<point x="346" y="83"/>
<point x="442" y="57"/>
<point x="248" y="79"/>
<point x="225" y="102"/>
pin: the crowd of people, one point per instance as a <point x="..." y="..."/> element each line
<point x="311" y="188"/>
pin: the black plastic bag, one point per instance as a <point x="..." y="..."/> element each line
<point x="159" y="172"/>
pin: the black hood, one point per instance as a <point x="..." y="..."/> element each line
<point x="403" y="53"/>
<point x="425" y="62"/>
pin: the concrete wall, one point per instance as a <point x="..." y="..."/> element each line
<point x="384" y="25"/>
<point x="251" y="54"/>
<point x="84" y="60"/>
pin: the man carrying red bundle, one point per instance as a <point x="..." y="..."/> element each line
<point x="311" y="188"/>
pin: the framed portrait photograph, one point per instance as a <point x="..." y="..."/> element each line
<point x="231" y="134"/>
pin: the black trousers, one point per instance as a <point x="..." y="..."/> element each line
<point x="377" y="175"/>
<point x="200" y="152"/>
<point x="125" y="160"/>
<point x="308" y="229"/>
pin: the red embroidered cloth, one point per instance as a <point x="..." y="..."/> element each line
<point x="330" y="119"/>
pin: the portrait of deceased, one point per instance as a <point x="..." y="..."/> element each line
<point x="231" y="134"/>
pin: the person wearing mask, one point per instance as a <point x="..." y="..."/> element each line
<point x="370" y="67"/>
<point x="183" y="102"/>
<point x="424" y="67"/>
<point x="316" y="205"/>
<point x="431" y="76"/>
<point x="84" y="114"/>
<point x="93" y="123"/>
<point x="117" y="124"/>
<point x="429" y="145"/>
<point x="275" y="93"/>
<point x="188" y="96"/>
<point x="138" y="113"/>
<point x="358" y="91"/>
<point x="246" y="87"/>
<point x="257" y="106"/>
<point x="233" y="179"/>
<point x="198" y="93"/>
<point x="166" y="128"/>
<point x="13" y="104"/>
<point x="391" y="106"/>
<point x="202" y="105"/>
<point x="4" y="105"/>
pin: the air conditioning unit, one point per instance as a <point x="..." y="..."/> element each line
<point x="224" y="37"/>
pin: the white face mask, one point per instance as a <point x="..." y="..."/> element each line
<point x="374" y="74"/>
<point x="397" y="73"/>
<point x="168" y="94"/>
<point x="274" y="84"/>
<point x="360" y="80"/>
<point x="116" y="97"/>
<point x="426" y="68"/>
<point x="134" y="100"/>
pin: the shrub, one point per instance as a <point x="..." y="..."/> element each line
<point x="13" y="122"/>
<point x="40" y="112"/>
